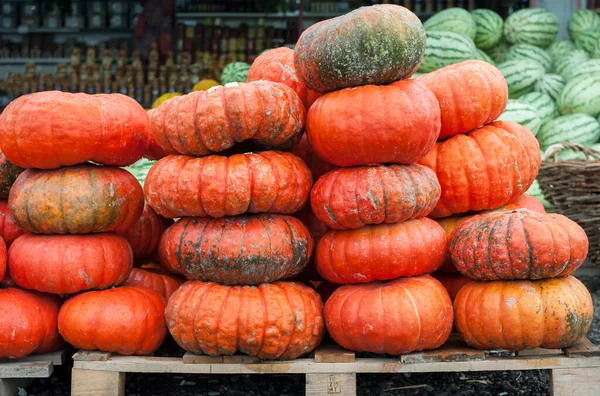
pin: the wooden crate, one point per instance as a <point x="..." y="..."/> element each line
<point x="332" y="371"/>
<point x="19" y="373"/>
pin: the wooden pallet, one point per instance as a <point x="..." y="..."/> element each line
<point x="332" y="371"/>
<point x="19" y="373"/>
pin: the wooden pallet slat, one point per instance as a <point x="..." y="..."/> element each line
<point x="454" y="350"/>
<point x="333" y="355"/>
<point x="26" y="370"/>
<point x="539" y="352"/>
<point x="92" y="356"/>
<point x="583" y="348"/>
<point x="191" y="358"/>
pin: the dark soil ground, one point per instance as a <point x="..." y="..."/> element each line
<point x="535" y="383"/>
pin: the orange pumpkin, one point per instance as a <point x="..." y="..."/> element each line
<point x="154" y="277"/>
<point x="452" y="282"/>
<point x="317" y="166"/>
<point x="9" y="230"/>
<point x="2" y="258"/>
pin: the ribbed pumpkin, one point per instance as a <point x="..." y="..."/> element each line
<point x="470" y="94"/>
<point x="153" y="150"/>
<point x="3" y="258"/>
<point x="238" y="250"/>
<point x="52" y="129"/>
<point x="154" y="277"/>
<point x="76" y="200"/>
<point x="519" y="244"/>
<point x="381" y="252"/>
<point x="277" y="65"/>
<point x="371" y="45"/>
<point x="271" y="321"/>
<point x="9" y="230"/>
<point x="66" y="264"/>
<point x="317" y="166"/>
<point x="28" y="323"/>
<point x="484" y="169"/>
<point x="8" y="175"/>
<point x="396" y="317"/>
<point x="549" y="313"/>
<point x="350" y="198"/>
<point x="452" y="282"/>
<point x="128" y="320"/>
<point x="217" y="186"/>
<point x="205" y="122"/>
<point x="317" y="229"/>
<point x="374" y="124"/>
<point x="144" y="234"/>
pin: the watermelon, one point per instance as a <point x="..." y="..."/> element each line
<point x="569" y="60"/>
<point x="481" y="55"/>
<point x="454" y="19"/>
<point x="235" y="72"/>
<point x="521" y="76"/>
<point x="536" y="192"/>
<point x="498" y="52"/>
<point x="416" y="75"/>
<point x="542" y="103"/>
<point x="560" y="48"/>
<point x="595" y="53"/>
<point x="573" y="128"/>
<point x="535" y="26"/>
<point x="522" y="113"/>
<point x="528" y="51"/>
<point x="581" y="95"/>
<point x="550" y="84"/>
<point x="588" y="68"/>
<point x="488" y="32"/>
<point x="140" y="169"/>
<point x="582" y="21"/>
<point x="587" y="40"/>
<point x="446" y="48"/>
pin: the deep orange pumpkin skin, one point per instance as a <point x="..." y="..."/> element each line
<point x="277" y="65"/>
<point x="452" y="282"/>
<point x="66" y="264"/>
<point x="28" y="322"/>
<point x="128" y="320"/>
<point x="317" y="166"/>
<point x="396" y="317"/>
<point x="470" y="93"/>
<point x="8" y="175"/>
<point x="549" y="313"/>
<point x="79" y="199"/>
<point x="282" y="320"/>
<point x="518" y="244"/>
<point x="484" y="169"/>
<point x="374" y="124"/>
<point x="3" y="258"/>
<point x="153" y="277"/>
<point x="217" y="186"/>
<point x="381" y="252"/>
<point x="51" y="129"/>
<point x="9" y="230"/>
<point x="246" y="250"/>
<point x="144" y="234"/>
<point x="350" y="198"/>
<point x="205" y="122"/>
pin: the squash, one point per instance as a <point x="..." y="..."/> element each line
<point x="3" y="259"/>
<point x="154" y="277"/>
<point x="9" y="230"/>
<point x="144" y="234"/>
<point x="452" y="282"/>
<point x="8" y="175"/>
<point x="164" y="97"/>
<point x="271" y="321"/>
<point x="205" y="84"/>
<point x="317" y="166"/>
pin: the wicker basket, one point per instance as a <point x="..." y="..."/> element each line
<point x="573" y="188"/>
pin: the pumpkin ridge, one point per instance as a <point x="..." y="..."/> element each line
<point x="218" y="345"/>
<point x="166" y="109"/>
<point x="290" y="309"/>
<point x="529" y="246"/>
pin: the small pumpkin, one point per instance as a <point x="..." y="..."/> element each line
<point x="381" y="252"/>
<point x="205" y="122"/>
<point x="9" y="230"/>
<point x="154" y="277"/>
<point x="44" y="130"/>
<point x="28" y="323"/>
<point x="452" y="282"/>
<point x="550" y="313"/>
<point x="282" y="320"/>
<point x="350" y="198"/>
<point x="128" y="320"/>
<point x="237" y="250"/>
<point x="518" y="244"/>
<point x="3" y="258"/>
<point x="76" y="200"/>
<point x="164" y="97"/>
<point x="371" y="124"/>
<point x="396" y="317"/>
<point x="205" y="84"/>
<point x="66" y="264"/>
<point x="8" y="175"/>
<point x="484" y="169"/>
<point x="217" y="186"/>
<point x="317" y="166"/>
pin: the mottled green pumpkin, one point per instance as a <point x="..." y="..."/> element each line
<point x="8" y="175"/>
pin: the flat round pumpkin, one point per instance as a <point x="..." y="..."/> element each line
<point x="549" y="313"/>
<point x="381" y="252"/>
<point x="9" y="230"/>
<point x="317" y="166"/>
<point x="66" y="264"/>
<point x="371" y="124"/>
<point x="8" y="175"/>
<point x="76" y="200"/>
<point x="518" y="244"/>
<point x="241" y="250"/>
<point x="350" y="198"/>
<point x="51" y="129"/>
<point x="217" y="186"/>
<point x="154" y="277"/>
<point x="484" y="169"/>
<point x="282" y="320"/>
<point x="3" y="258"/>
<point x="396" y="317"/>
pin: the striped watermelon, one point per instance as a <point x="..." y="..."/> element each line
<point x="454" y="19"/>
<point x="535" y="26"/>
<point x="595" y="53"/>
<point x="235" y="72"/>
<point x="498" y="52"/>
<point x="140" y="169"/>
<point x="550" y="84"/>
<point x="588" y="68"/>
<point x="481" y="55"/>
<point x="416" y="75"/>
<point x="575" y="57"/>
<point x="528" y="51"/>
<point x="523" y="114"/>
<point x="560" y="48"/>
<point x="488" y="28"/>
<point x="521" y="76"/>
<point x="446" y="48"/>
<point x="581" y="95"/>
<point x="573" y="128"/>
<point x="581" y="21"/>
<point x="542" y="103"/>
<point x="587" y="40"/>
<point x="536" y="192"/>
